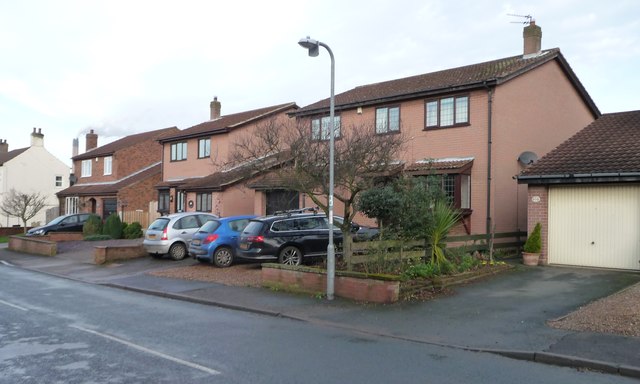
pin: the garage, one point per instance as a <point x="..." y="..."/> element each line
<point x="586" y="195"/>
<point x="594" y="226"/>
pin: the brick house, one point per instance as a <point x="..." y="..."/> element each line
<point x="477" y="126"/>
<point x="586" y="196"/>
<point x="196" y="175"/>
<point x="116" y="177"/>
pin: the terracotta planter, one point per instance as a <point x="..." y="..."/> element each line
<point x="530" y="258"/>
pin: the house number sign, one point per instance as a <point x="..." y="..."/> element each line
<point x="535" y="199"/>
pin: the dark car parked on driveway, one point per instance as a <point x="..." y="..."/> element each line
<point x="65" y="223"/>
<point x="216" y="241"/>
<point x="287" y="238"/>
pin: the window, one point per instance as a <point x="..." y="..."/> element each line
<point x="86" y="168"/>
<point x="179" y="151"/>
<point x="163" y="201"/>
<point x="447" y="112"/>
<point x="109" y="206"/>
<point x="387" y="119"/>
<point x="58" y="181"/>
<point x="204" y="148"/>
<point x="457" y="187"/>
<point x="71" y="205"/>
<point x="203" y="202"/>
<point x="107" y="165"/>
<point x="320" y="128"/>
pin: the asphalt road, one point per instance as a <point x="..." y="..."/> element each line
<point x="56" y="330"/>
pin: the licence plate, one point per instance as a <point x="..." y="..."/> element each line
<point x="150" y="236"/>
<point x="195" y="242"/>
<point x="244" y="246"/>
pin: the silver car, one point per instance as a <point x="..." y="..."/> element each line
<point x="172" y="234"/>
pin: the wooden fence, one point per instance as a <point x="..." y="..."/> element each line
<point x="142" y="217"/>
<point x="414" y="249"/>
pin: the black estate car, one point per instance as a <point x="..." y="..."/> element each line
<point x="66" y="223"/>
<point x="287" y="237"/>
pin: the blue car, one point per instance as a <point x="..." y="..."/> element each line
<point x="216" y="241"/>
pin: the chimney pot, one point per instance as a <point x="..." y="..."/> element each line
<point x="4" y="147"/>
<point x="532" y="36"/>
<point x="215" y="107"/>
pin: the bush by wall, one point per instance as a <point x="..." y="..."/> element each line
<point x="113" y="226"/>
<point x="133" y="231"/>
<point x="93" y="226"/>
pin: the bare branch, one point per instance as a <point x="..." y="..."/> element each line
<point x="22" y="205"/>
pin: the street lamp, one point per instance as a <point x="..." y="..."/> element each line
<point x="314" y="50"/>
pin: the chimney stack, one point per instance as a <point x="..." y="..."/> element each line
<point x="4" y="147"/>
<point x="37" y="138"/>
<point x="91" y="141"/>
<point x="215" y="107"/>
<point x="532" y="35"/>
<point x="75" y="147"/>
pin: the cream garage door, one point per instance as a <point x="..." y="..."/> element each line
<point x="595" y="226"/>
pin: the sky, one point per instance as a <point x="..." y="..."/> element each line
<point x="125" y="67"/>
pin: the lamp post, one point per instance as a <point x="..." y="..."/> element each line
<point x="314" y="50"/>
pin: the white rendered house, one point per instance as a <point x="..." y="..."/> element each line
<point x="29" y="170"/>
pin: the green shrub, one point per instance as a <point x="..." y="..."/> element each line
<point x="534" y="242"/>
<point x="133" y="231"/>
<point x="93" y="226"/>
<point x="113" y="226"/>
<point x="422" y="270"/>
<point x="97" y="237"/>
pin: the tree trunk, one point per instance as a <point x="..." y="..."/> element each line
<point x="347" y="251"/>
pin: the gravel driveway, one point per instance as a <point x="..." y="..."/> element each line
<point x="618" y="314"/>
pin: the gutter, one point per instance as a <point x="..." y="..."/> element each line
<point x="489" y="144"/>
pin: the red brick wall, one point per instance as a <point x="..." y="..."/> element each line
<point x="139" y="195"/>
<point x="538" y="212"/>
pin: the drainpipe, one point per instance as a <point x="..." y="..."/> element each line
<point x="489" y="142"/>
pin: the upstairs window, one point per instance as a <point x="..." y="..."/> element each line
<point x="86" y="168"/>
<point x="320" y="128"/>
<point x="58" y="181"/>
<point x="388" y="120"/>
<point x="447" y="112"/>
<point x="107" y="165"/>
<point x="179" y="151"/>
<point x="204" y="148"/>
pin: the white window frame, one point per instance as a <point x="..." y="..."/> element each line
<point x="59" y="181"/>
<point x="108" y="165"/>
<point x="86" y="168"/>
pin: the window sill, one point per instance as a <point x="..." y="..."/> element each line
<point x="447" y="127"/>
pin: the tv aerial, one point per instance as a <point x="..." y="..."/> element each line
<point x="527" y="19"/>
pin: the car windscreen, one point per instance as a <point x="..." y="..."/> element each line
<point x="159" y="224"/>
<point x="253" y="228"/>
<point x="57" y="220"/>
<point x="210" y="226"/>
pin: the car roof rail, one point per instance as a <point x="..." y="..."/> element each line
<point x="299" y="210"/>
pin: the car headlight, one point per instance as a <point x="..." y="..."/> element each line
<point x="38" y="232"/>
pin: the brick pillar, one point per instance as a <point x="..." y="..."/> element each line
<point x="538" y="212"/>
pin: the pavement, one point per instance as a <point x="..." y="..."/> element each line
<point x="505" y="314"/>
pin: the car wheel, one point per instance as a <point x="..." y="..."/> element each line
<point x="178" y="251"/>
<point x="290" y="255"/>
<point x="223" y="257"/>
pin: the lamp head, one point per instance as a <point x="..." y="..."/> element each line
<point x="312" y="45"/>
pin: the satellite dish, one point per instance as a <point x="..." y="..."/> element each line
<point x="527" y="158"/>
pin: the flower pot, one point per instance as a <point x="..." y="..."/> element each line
<point x="530" y="258"/>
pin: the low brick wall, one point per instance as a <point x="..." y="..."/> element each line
<point x="9" y="231"/>
<point x="106" y="254"/>
<point x="64" y="236"/>
<point x="350" y="285"/>
<point x="33" y="245"/>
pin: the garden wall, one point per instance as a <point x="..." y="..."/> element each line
<point x="33" y="245"/>
<point x="349" y="285"/>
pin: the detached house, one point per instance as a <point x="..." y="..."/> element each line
<point x="117" y="177"/>
<point x="32" y="170"/>
<point x="195" y="171"/>
<point x="477" y="126"/>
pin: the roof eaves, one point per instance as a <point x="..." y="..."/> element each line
<point x="261" y="116"/>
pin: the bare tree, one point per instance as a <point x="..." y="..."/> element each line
<point x="302" y="162"/>
<point x="22" y="205"/>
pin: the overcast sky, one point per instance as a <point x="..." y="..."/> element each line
<point x="123" y="67"/>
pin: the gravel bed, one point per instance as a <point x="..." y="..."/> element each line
<point x="242" y="275"/>
<point x="618" y="314"/>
